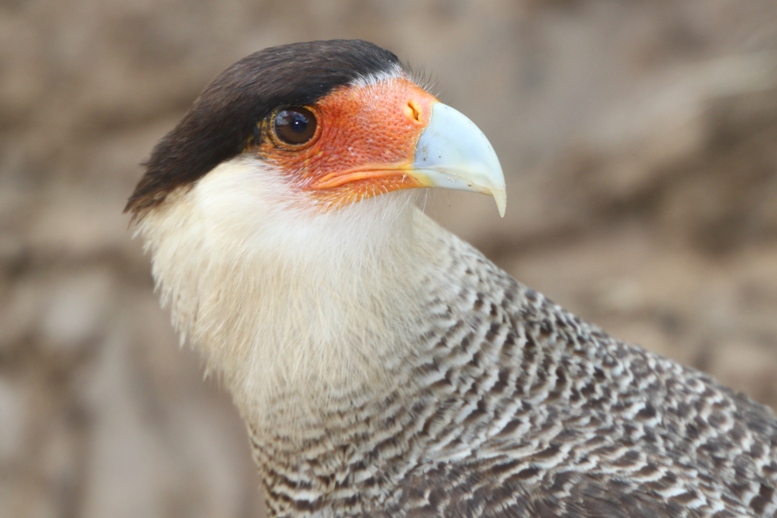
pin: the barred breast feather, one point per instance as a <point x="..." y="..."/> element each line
<point x="519" y="408"/>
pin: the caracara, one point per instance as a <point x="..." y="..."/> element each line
<point x="384" y="367"/>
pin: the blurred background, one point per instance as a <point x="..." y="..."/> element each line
<point x="639" y="142"/>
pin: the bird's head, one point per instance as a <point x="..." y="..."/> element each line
<point x="325" y="125"/>
<point x="280" y="180"/>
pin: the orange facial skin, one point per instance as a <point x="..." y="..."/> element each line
<point x="364" y="143"/>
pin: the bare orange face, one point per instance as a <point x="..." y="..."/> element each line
<point x="360" y="142"/>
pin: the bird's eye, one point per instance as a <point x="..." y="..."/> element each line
<point x="295" y="125"/>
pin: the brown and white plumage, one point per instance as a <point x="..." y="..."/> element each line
<point x="383" y="366"/>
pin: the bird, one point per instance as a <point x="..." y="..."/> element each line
<point x="385" y="367"/>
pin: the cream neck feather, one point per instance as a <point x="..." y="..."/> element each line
<point x="285" y="298"/>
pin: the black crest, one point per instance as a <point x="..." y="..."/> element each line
<point x="222" y="118"/>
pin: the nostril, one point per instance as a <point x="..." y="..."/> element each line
<point x="415" y="112"/>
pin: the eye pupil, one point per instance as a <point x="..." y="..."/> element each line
<point x="295" y="125"/>
<point x="299" y="124"/>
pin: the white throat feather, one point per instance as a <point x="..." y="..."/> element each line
<point x="285" y="296"/>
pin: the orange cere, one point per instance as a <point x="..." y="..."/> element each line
<point x="365" y="142"/>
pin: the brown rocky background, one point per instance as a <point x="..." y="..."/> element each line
<point x="639" y="140"/>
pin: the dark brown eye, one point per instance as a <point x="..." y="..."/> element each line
<point x="294" y="125"/>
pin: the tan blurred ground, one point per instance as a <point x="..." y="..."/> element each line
<point x="639" y="141"/>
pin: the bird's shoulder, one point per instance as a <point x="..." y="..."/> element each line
<point x="454" y="491"/>
<point x="565" y="405"/>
